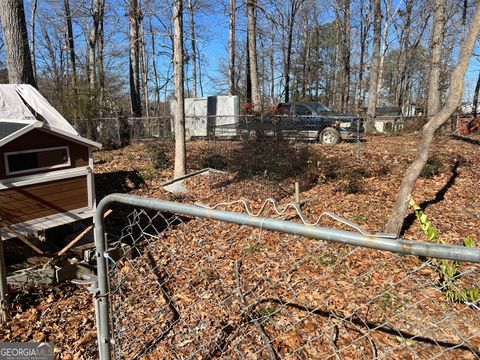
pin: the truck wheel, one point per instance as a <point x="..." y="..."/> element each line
<point x="329" y="136"/>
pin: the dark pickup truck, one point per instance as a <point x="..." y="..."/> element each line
<point x="317" y="122"/>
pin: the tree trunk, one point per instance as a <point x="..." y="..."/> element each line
<point x="384" y="47"/>
<point x="334" y="95"/>
<point x="399" y="210"/>
<point x="372" y="90"/>
<point x="345" y="95"/>
<point x="92" y="43"/>
<point x="231" y="50"/>
<point x="464" y="19"/>
<point x="199" y="67"/>
<point x="134" y="69"/>
<point x="194" y="48"/>
<point x="475" y="96"/>
<point x="52" y="58"/>
<point x="99" y="59"/>
<point x="294" y="6"/>
<point x="180" y="149"/>
<point x="363" y="44"/>
<point x="144" y="64"/>
<point x="404" y="54"/>
<point x="248" y="78"/>
<point x="154" y="66"/>
<point x="433" y="101"/>
<point x="15" y="39"/>
<point x="32" y="24"/>
<point x="252" y="52"/>
<point x="71" y="44"/>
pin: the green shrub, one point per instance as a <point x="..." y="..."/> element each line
<point x="447" y="269"/>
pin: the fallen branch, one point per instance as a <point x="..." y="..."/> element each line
<point x="271" y="351"/>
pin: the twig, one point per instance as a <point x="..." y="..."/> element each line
<point x="271" y="351"/>
<point x="336" y="331"/>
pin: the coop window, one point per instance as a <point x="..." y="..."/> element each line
<point x="19" y="162"/>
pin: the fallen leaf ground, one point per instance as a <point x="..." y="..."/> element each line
<point x="314" y="299"/>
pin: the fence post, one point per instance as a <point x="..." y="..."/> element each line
<point x="297" y="194"/>
<point x="4" y="300"/>
<point x="102" y="296"/>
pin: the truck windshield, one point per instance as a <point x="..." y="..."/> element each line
<point x="318" y="108"/>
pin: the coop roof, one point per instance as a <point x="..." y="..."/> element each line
<point x="23" y="108"/>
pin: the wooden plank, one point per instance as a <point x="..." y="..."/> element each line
<point x="64" y="205"/>
<point x="74" y="204"/>
<point x="47" y="187"/>
<point x="80" y="236"/>
<point x="39" y="204"/>
<point x="50" y="221"/>
<point x="23" y="200"/>
<point x="35" y="201"/>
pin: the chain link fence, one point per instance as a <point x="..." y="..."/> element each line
<point x="118" y="131"/>
<point x="198" y="283"/>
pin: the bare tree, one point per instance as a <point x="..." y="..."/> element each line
<point x="231" y="49"/>
<point x="433" y="102"/>
<point x="389" y="18"/>
<point x="15" y="39"/>
<point x="99" y="59"/>
<point x="399" y="210"/>
<point x="364" y="27"/>
<point x="97" y="13"/>
<point x="71" y="44"/>
<point x="179" y="113"/>
<point x="252" y="54"/>
<point x="193" y="40"/>
<point x="372" y="90"/>
<point x="134" y="14"/>
<point x="32" y="25"/>
<point x="144" y="64"/>
<point x="294" y="5"/>
<point x="345" y="94"/>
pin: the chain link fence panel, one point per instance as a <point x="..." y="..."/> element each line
<point x="186" y="287"/>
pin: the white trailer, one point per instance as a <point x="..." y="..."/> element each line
<point x="211" y="116"/>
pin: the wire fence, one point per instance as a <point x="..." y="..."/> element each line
<point x="118" y="131"/>
<point x="197" y="283"/>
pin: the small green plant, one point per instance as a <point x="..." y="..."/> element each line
<point x="252" y="249"/>
<point x="432" y="167"/>
<point x="360" y="218"/>
<point x="324" y="260"/>
<point x="392" y="301"/>
<point x="265" y="313"/>
<point x="447" y="270"/>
